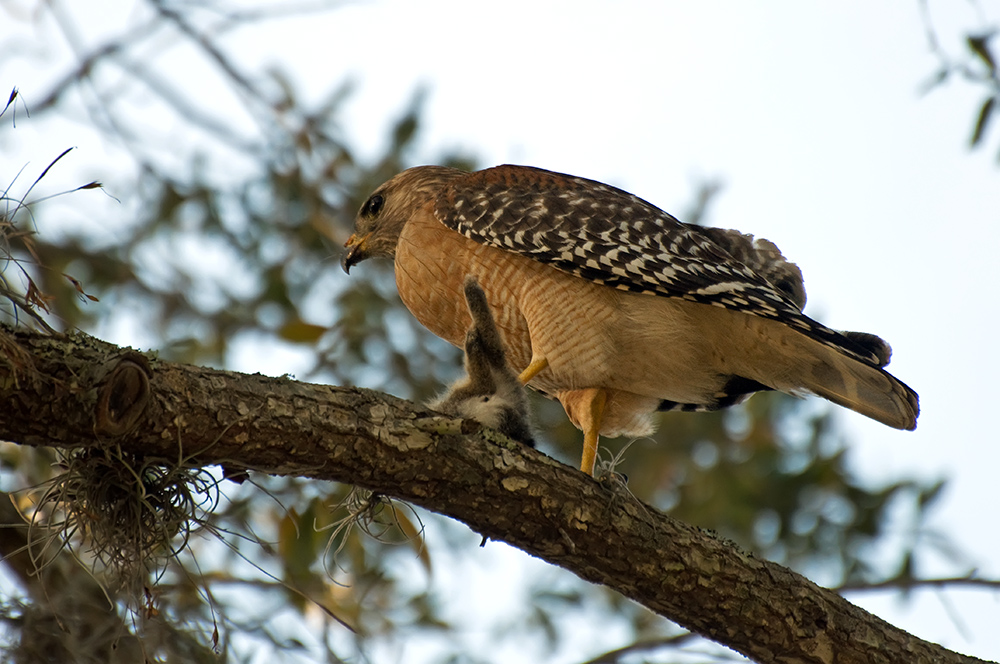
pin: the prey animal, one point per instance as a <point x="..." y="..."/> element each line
<point x="490" y="393"/>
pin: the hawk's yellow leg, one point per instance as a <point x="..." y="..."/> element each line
<point x="593" y="412"/>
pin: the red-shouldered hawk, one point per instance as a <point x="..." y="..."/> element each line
<point x="614" y="307"/>
<point x="491" y="392"/>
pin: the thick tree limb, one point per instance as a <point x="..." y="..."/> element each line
<point x="77" y="391"/>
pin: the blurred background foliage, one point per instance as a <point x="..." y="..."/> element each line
<point x="208" y="263"/>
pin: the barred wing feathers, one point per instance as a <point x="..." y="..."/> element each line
<point x="608" y="236"/>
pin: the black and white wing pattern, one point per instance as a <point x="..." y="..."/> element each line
<point x="608" y="236"/>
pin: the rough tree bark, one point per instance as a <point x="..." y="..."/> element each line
<point x="76" y="391"/>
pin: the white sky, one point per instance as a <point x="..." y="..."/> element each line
<point x="810" y="114"/>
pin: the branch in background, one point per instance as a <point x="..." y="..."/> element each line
<point x="979" y="67"/>
<point x="616" y="656"/>
<point x="970" y="580"/>
<point x="120" y="51"/>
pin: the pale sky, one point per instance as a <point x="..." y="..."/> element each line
<point x="811" y="116"/>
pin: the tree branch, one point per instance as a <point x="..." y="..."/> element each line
<point x="77" y="391"/>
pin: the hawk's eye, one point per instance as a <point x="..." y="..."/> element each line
<point x="372" y="206"/>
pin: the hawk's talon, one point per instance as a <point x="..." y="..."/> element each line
<point x="533" y="369"/>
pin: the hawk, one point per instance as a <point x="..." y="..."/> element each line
<point x="611" y="305"/>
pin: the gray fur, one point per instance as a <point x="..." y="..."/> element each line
<point x="491" y="394"/>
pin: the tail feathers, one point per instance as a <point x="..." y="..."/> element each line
<point x="866" y="389"/>
<point x="851" y="375"/>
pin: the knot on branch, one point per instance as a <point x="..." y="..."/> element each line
<point x="123" y="396"/>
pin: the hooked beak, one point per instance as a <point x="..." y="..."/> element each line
<point x="356" y="252"/>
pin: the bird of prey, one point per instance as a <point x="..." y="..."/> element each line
<point x="609" y="304"/>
